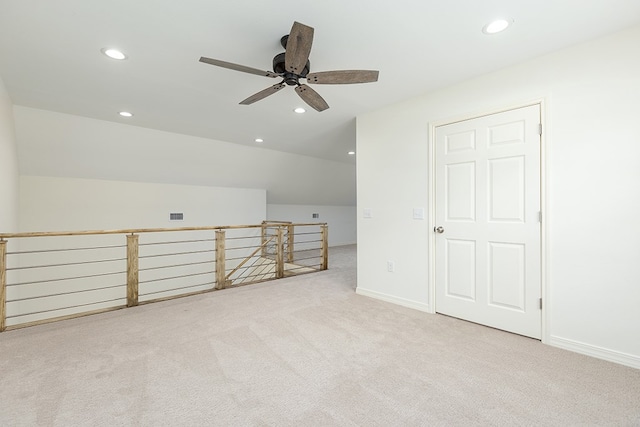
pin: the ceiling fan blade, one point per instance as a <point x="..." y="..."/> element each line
<point x="312" y="98"/>
<point x="262" y="94"/>
<point x="298" y="48"/>
<point x="238" y="67"/>
<point x="342" y="77"/>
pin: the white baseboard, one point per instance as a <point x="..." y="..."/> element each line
<point x="595" y="351"/>
<point x="336" y="245"/>
<point x="395" y="300"/>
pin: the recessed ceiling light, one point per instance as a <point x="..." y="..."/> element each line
<point x="113" y="53"/>
<point x="125" y="114"/>
<point x="259" y="140"/>
<point x="351" y="153"/>
<point x="496" y="26"/>
<point x="300" y="110"/>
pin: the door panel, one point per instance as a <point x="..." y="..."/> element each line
<point x="506" y="189"/>
<point x="464" y="141"/>
<point x="461" y="261"/>
<point x="507" y="275"/>
<point x="507" y="133"/>
<point x="461" y="181"/>
<point x="487" y="259"/>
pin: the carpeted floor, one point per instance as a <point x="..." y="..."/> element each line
<point x="303" y="351"/>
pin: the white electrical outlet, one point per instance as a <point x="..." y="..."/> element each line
<point x="391" y="266"/>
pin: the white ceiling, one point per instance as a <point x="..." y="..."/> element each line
<point x="50" y="58"/>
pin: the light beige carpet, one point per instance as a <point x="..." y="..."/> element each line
<point x="303" y="351"/>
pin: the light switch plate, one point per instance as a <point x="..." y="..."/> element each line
<point x="366" y="213"/>
<point x="418" y="213"/>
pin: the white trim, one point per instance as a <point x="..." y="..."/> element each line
<point x="431" y="241"/>
<point x="395" y="300"/>
<point x="544" y="230"/>
<point x="595" y="351"/>
<point x="489" y="112"/>
<point x="545" y="140"/>
<point x="343" y="244"/>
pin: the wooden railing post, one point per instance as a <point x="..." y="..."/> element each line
<point x="264" y="239"/>
<point x="290" y="234"/>
<point x="279" y="253"/>
<point x="3" y="285"/>
<point x="324" y="232"/>
<point x="132" y="270"/>
<point x="220" y="259"/>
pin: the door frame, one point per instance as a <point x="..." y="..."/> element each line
<point x="544" y="182"/>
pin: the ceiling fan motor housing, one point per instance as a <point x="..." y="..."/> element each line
<point x="289" y="78"/>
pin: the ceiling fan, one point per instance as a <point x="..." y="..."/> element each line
<point x="293" y="65"/>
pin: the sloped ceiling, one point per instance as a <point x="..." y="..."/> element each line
<point x="50" y="58"/>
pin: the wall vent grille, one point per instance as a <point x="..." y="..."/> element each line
<point x="176" y="216"/>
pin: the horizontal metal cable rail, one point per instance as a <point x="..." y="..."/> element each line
<point x="48" y="276"/>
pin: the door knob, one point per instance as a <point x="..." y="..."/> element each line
<point x="439" y="229"/>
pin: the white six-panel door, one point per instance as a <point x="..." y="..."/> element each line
<point x="487" y="217"/>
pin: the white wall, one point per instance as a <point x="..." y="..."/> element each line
<point x="8" y="165"/>
<point x="60" y="204"/>
<point x="592" y="136"/>
<point x="340" y="219"/>
<point x="63" y="145"/>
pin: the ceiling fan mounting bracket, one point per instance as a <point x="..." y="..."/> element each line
<point x="283" y="40"/>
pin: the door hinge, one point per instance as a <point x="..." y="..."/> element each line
<point x="540" y="303"/>
<point x="540" y="129"/>
<point x="539" y="216"/>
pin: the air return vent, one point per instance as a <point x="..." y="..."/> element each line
<point x="176" y="216"/>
